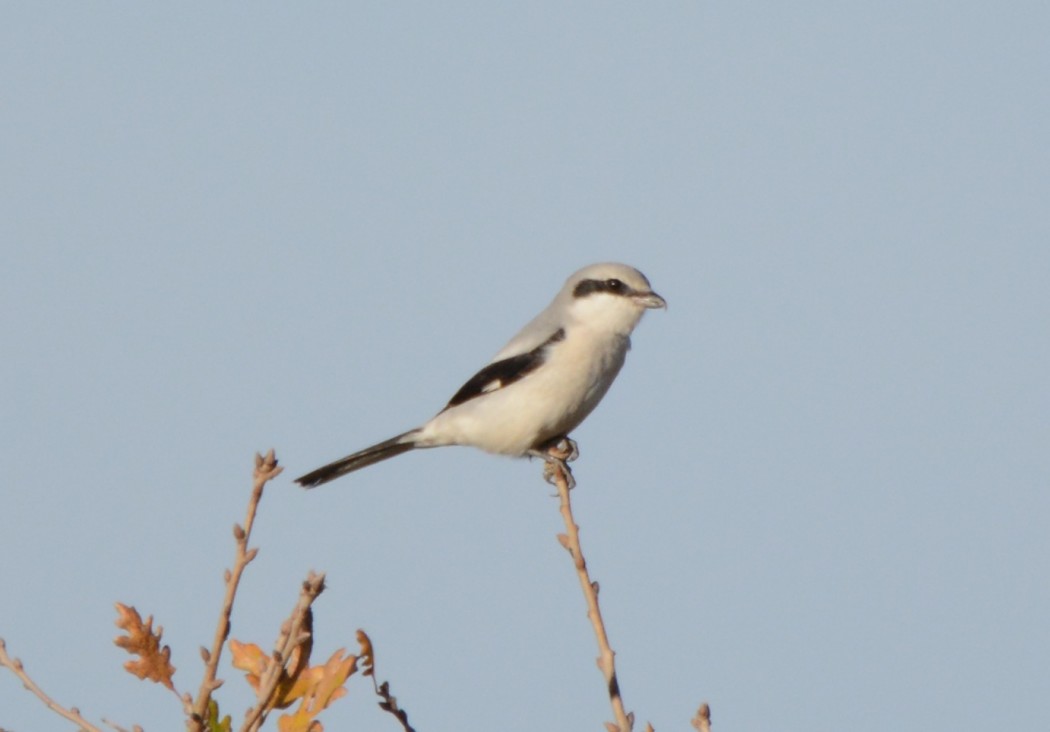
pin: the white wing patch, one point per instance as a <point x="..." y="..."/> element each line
<point x="493" y="385"/>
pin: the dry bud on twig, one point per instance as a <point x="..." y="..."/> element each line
<point x="702" y="721"/>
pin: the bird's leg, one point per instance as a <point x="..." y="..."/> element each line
<point x="556" y="455"/>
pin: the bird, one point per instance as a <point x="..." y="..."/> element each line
<point x="541" y="385"/>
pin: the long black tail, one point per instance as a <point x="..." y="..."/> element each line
<point x="374" y="454"/>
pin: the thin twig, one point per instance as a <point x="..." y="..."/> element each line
<point x="72" y="714"/>
<point x="266" y="469"/>
<point x="118" y="728"/>
<point x="388" y="702"/>
<point x="562" y="477"/>
<point x="293" y="634"/>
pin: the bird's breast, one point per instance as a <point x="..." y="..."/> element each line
<point x="549" y="402"/>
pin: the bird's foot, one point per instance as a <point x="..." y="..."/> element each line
<point x="552" y="467"/>
<point x="556" y="456"/>
<point x="568" y="446"/>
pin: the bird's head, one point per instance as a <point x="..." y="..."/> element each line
<point x="610" y="296"/>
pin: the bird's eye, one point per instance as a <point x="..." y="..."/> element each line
<point x="615" y="285"/>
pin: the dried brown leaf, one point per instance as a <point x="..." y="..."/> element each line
<point x="366" y="655"/>
<point x="702" y="721"/>
<point x="154" y="662"/>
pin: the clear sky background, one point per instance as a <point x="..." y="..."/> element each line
<point x="818" y="496"/>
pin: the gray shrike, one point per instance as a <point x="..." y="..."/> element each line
<point x="542" y="384"/>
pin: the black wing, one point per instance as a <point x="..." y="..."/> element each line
<point x="504" y="372"/>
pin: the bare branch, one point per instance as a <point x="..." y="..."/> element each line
<point x="266" y="469"/>
<point x="559" y="472"/>
<point x="16" y="667"/>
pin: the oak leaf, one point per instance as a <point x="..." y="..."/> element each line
<point x="325" y="684"/>
<point x="214" y="723"/>
<point x="367" y="654"/>
<point x="291" y="684"/>
<point x="154" y="662"/>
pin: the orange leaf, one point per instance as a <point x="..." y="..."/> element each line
<point x="318" y="687"/>
<point x="300" y="721"/>
<point x="291" y="685"/>
<point x="249" y="658"/>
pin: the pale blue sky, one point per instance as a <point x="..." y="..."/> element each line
<point x="817" y="496"/>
